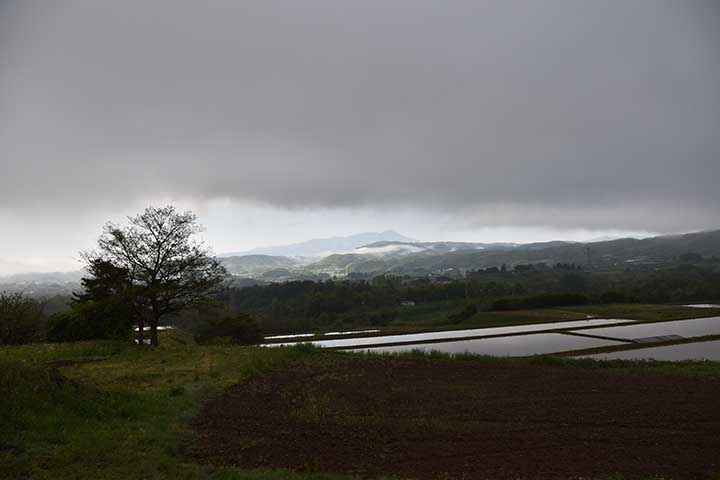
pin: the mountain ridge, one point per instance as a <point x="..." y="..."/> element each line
<point x="427" y="258"/>
<point x="319" y="247"/>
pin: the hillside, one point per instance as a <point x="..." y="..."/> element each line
<point x="321" y="247"/>
<point x="410" y="258"/>
<point x="252" y="265"/>
<point x="425" y="258"/>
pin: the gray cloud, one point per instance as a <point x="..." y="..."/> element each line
<point x="595" y="114"/>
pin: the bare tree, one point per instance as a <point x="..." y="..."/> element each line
<point x="169" y="270"/>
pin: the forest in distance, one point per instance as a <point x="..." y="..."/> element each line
<point x="386" y="300"/>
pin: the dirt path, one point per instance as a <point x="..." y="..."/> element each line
<point x="415" y="418"/>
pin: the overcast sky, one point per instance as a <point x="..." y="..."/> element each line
<point x="279" y="121"/>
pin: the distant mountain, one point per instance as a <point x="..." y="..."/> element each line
<point x="422" y="258"/>
<point x="407" y="257"/>
<point x="42" y="284"/>
<point x="43" y="277"/>
<point x="254" y="265"/>
<point x="321" y="247"/>
<point x="388" y="248"/>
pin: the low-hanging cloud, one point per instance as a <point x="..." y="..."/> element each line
<point x="559" y="111"/>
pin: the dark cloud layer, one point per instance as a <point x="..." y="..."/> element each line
<point x="581" y="113"/>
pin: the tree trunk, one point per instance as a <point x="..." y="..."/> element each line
<point x="154" y="333"/>
<point x="141" y="332"/>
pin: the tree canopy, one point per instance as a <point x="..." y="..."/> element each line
<point x="21" y="319"/>
<point x="165" y="268"/>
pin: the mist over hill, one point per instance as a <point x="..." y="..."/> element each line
<point x="427" y="258"/>
<point x="42" y="284"/>
<point x="252" y="265"/>
<point x="406" y="257"/>
<point x="320" y="247"/>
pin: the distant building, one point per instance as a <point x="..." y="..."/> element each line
<point x="407" y="303"/>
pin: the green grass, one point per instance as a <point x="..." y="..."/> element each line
<point x="118" y="418"/>
<point x="435" y="315"/>
<point x="645" y="312"/>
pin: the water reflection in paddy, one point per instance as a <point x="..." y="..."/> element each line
<point x="351" y="332"/>
<point x="291" y="335"/>
<point x="514" y="346"/>
<point x="696" y="327"/>
<point x="419" y="337"/>
<point x="672" y="353"/>
<point x="328" y="334"/>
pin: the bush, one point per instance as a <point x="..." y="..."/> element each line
<point x="468" y="311"/>
<point x="382" y="319"/>
<point x="540" y="301"/>
<point x="90" y="321"/>
<point x="66" y="327"/>
<point x="21" y="319"/>
<point x="616" y="297"/>
<point x="237" y="329"/>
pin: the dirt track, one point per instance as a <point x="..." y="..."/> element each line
<point x="414" y="418"/>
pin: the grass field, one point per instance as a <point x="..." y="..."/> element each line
<point x="645" y="312"/>
<point x="118" y="418"/>
<point x="434" y="315"/>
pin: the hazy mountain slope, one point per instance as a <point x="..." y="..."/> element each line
<point x="339" y="262"/>
<point x="386" y="247"/>
<point x="251" y="265"/>
<point x="609" y="254"/>
<point x="320" y="247"/>
<point x="43" y="277"/>
<point x="422" y="258"/>
<point x="42" y="284"/>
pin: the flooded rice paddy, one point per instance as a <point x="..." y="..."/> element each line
<point x="513" y="346"/>
<point x="671" y="353"/>
<point x="542" y="339"/>
<point x="458" y="334"/>
<point x="696" y="327"/>
<point x="328" y="334"/>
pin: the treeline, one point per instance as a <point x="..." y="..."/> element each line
<point x="24" y="320"/>
<point x="148" y="271"/>
<point x="540" y="301"/>
<point x="307" y="304"/>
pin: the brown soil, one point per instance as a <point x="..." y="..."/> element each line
<point x="440" y="419"/>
